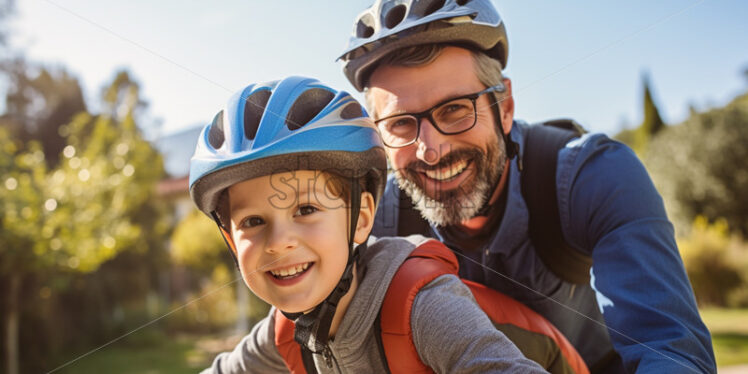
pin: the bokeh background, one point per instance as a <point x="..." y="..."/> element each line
<point x="105" y="266"/>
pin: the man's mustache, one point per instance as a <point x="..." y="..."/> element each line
<point x="446" y="160"/>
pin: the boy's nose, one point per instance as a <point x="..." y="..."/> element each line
<point x="280" y="239"/>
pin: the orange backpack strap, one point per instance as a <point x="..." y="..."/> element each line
<point x="548" y="341"/>
<point x="535" y="336"/>
<point x="419" y="269"/>
<point x="288" y="348"/>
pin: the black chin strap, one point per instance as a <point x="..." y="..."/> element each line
<point x="512" y="150"/>
<point x="512" y="147"/>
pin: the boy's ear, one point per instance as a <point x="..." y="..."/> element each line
<point x="365" y="218"/>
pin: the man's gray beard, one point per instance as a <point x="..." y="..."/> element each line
<point x="454" y="206"/>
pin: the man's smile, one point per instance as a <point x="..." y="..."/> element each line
<point x="447" y="172"/>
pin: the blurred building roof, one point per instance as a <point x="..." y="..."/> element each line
<point x="177" y="150"/>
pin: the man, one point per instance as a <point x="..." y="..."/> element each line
<point x="431" y="74"/>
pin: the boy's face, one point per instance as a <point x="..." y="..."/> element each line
<point x="291" y="235"/>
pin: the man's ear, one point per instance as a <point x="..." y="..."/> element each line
<point x="507" y="107"/>
<point x="365" y="218"/>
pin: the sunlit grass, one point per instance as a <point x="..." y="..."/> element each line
<point x="729" y="328"/>
<point x="156" y="354"/>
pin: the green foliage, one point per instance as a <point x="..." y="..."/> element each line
<point x="38" y="102"/>
<point x="729" y="328"/>
<point x="197" y="243"/>
<point x="714" y="261"/>
<point x="638" y="138"/>
<point x="155" y="353"/>
<point x="22" y="174"/>
<point x="652" y="123"/>
<point x="79" y="214"/>
<point x="214" y="307"/>
<point x="95" y="209"/>
<point x="700" y="166"/>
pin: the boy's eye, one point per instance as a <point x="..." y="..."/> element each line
<point x="306" y="210"/>
<point x="252" y="221"/>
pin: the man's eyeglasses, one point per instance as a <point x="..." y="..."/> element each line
<point x="450" y="117"/>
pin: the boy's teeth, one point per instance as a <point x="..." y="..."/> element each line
<point x="447" y="172"/>
<point x="290" y="271"/>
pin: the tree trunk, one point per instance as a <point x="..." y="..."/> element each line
<point x="11" y="325"/>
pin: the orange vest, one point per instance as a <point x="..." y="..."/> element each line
<point x="535" y="336"/>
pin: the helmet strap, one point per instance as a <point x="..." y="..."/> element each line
<point x="317" y="323"/>
<point x="512" y="150"/>
<point x="226" y="237"/>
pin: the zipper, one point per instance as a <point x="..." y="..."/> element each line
<point x="327" y="355"/>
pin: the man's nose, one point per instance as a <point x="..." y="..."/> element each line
<point x="430" y="143"/>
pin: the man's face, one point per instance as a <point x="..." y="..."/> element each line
<point x="449" y="177"/>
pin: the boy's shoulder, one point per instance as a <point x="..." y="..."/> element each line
<point x="380" y="263"/>
<point x="391" y="251"/>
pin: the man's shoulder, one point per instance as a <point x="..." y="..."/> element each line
<point x="595" y="151"/>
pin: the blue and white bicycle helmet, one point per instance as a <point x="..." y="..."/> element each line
<point x="295" y="123"/>
<point x="389" y="25"/>
<point x="291" y="124"/>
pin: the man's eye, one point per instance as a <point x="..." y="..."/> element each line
<point x="305" y="210"/>
<point x="252" y="221"/>
<point x="401" y="122"/>
<point x="451" y="108"/>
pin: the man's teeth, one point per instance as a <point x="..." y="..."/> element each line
<point x="290" y="271"/>
<point x="447" y="172"/>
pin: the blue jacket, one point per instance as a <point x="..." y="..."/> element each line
<point x="639" y="297"/>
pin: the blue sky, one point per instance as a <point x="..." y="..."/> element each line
<point x="575" y="59"/>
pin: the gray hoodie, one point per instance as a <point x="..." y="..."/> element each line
<point x="450" y="332"/>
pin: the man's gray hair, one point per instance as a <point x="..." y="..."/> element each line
<point x="487" y="69"/>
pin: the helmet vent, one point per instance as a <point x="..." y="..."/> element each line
<point x="307" y="106"/>
<point x="363" y="27"/>
<point x="254" y="106"/>
<point x="352" y="110"/>
<point x="394" y="16"/>
<point x="462" y="2"/>
<point x="426" y="7"/>
<point x="215" y="134"/>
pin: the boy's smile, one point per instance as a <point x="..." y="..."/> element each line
<point x="289" y="275"/>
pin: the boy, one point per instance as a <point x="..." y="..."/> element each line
<point x="291" y="171"/>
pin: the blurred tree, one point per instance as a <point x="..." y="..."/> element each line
<point x="714" y="271"/>
<point x="638" y="138"/>
<point x="38" y="102"/>
<point x="97" y="202"/>
<point x="21" y="214"/>
<point x="197" y="243"/>
<point x="700" y="166"/>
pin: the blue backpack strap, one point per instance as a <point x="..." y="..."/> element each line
<point x="540" y="158"/>
<point x="396" y="215"/>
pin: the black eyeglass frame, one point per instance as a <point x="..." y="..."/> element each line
<point x="428" y="114"/>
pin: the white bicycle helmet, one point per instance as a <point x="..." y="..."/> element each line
<point x="393" y="24"/>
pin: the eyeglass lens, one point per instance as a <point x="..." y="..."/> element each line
<point x="449" y="118"/>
